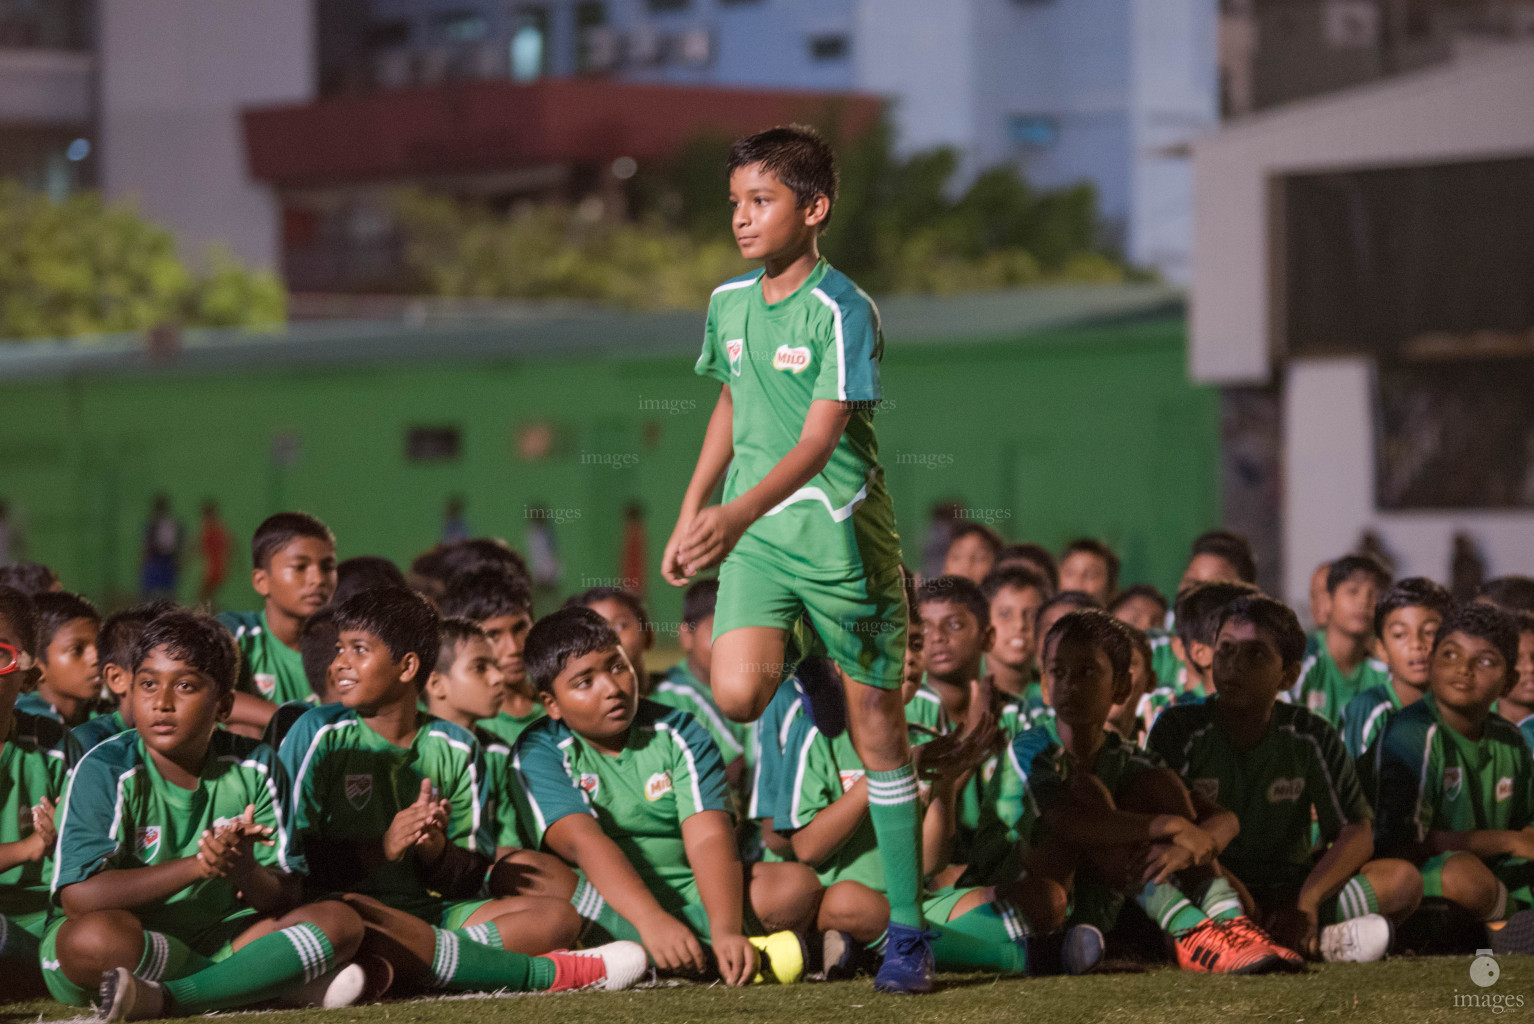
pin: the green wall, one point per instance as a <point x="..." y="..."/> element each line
<point x="1060" y="433"/>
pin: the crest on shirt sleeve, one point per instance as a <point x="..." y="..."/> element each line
<point x="1453" y="781"/>
<point x="1504" y="788"/>
<point x="589" y="783"/>
<point x="848" y="779"/>
<point x="359" y="790"/>
<point x="146" y="841"/>
<point x="265" y="683"/>
<point x="736" y="347"/>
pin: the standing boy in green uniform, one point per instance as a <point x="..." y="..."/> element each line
<point x="807" y="529"/>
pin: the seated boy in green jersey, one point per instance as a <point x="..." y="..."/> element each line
<point x="1140" y="605"/>
<point x="1518" y="705"/>
<point x="1455" y="783"/>
<point x="466" y="688"/>
<point x="35" y="757"/>
<point x="1016" y="595"/>
<point x="391" y="803"/>
<point x="500" y="601"/>
<point x="633" y="795"/>
<point x="293" y="568"/>
<point x="1090" y="567"/>
<point x="972" y="551"/>
<point x="686" y="684"/>
<point x="114" y="653"/>
<point x="806" y="531"/>
<point x="1100" y="820"/>
<point x="1406" y="618"/>
<point x="1338" y="663"/>
<point x="178" y="882"/>
<point x="69" y="677"/>
<point x="626" y="614"/>
<point x="1279" y="767"/>
<point x="1131" y="717"/>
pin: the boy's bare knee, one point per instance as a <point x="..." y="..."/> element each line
<point x="1397" y="885"/>
<point x="532" y="873"/>
<point x="856" y="909"/>
<point x="785" y="896"/>
<point x="97" y="942"/>
<point x="341" y="924"/>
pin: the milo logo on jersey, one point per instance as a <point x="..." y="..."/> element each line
<point x="657" y="786"/>
<point x="736" y="347"/>
<point x="1453" y="782"/>
<point x="791" y="360"/>
<point x="589" y="783"/>
<point x="359" y="790"/>
<point x="1286" y="790"/>
<point x="849" y="779"/>
<point x="267" y="684"/>
<point x="146" y="841"/>
<point x="1504" y="788"/>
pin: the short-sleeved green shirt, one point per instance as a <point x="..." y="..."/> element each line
<point x="34" y="764"/>
<point x="770" y="735"/>
<point x="680" y="689"/>
<point x="349" y="783"/>
<point x="94" y="731"/>
<point x="269" y="668"/>
<point x="35" y="703"/>
<point x="1298" y="765"/>
<point x="500" y="800"/>
<point x="1365" y="718"/>
<point x="822" y="342"/>
<point x="1322" y="686"/>
<point x="1429" y="778"/>
<point x="509" y="728"/>
<point x="121" y="813"/>
<point x="669" y="770"/>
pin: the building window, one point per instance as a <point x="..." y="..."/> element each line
<point x="596" y="46"/>
<point x="460" y="27"/>
<point x="529" y="43"/>
<point x="829" y="47"/>
<point x="1033" y="131"/>
<point x="433" y="444"/>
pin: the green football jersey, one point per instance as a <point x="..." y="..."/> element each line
<point x="349" y="783"/>
<point x="1429" y="778"/>
<point x="821" y="770"/>
<point x="35" y="703"/>
<point x="269" y="668"/>
<point x="668" y="771"/>
<point x="1322" y="686"/>
<point x="500" y="801"/>
<point x="1365" y="717"/>
<point x="1298" y="773"/>
<point x="977" y="828"/>
<point x="98" y="729"/>
<point x="1170" y="674"/>
<point x="509" y="728"/>
<point x="822" y="342"/>
<point x="770" y="735"/>
<point x="121" y="813"/>
<point x="34" y="764"/>
<point x="680" y="689"/>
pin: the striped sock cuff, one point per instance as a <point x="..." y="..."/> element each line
<point x="1164" y="922"/>
<point x="877" y="945"/>
<point x="486" y="934"/>
<point x="587" y="901"/>
<point x="444" y="961"/>
<point x="1012" y="918"/>
<point x="1499" y="911"/>
<point x="313" y="949"/>
<point x="894" y="787"/>
<point x="156" y="957"/>
<point x="1356" y="899"/>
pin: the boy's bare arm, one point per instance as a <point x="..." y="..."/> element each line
<point x="709" y="838"/>
<point x="1343" y="859"/>
<point x="713" y="461"/>
<point x="127" y="888"/>
<point x="830" y="829"/>
<point x="1484" y="843"/>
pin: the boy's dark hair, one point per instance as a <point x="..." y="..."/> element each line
<point x="1348" y="566"/>
<point x="1099" y="629"/>
<point x="55" y="610"/>
<point x="988" y="536"/>
<point x="698" y="601"/>
<point x="1142" y="644"/>
<point x="365" y="572"/>
<point x="958" y="590"/>
<point x="1512" y="593"/>
<point x="587" y="598"/>
<point x="1016" y="576"/>
<point x="1525" y="622"/>
<point x="1034" y="554"/>
<point x="1231" y="546"/>
<point x="1076" y="599"/>
<point x="18" y="610"/>
<point x="194" y="639"/>
<point x="455" y="558"/>
<point x="114" y="643"/>
<point x="1486" y="622"/>
<point x="487" y="592"/>
<point x="31" y="578"/>
<point x="795" y="154"/>
<point x="317" y="646"/>
<point x="455" y="629"/>
<point x="278" y="531"/>
<point x="572" y="632"/>
<point x="1413" y="592"/>
<point x="1092" y="546"/>
<point x="1272" y="617"/>
<point x="1144" y="590"/>
<point x="402" y="619"/>
<point x="1201" y="607"/>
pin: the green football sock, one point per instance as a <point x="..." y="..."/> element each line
<point x="1219" y="901"/>
<point x="893" y="806"/>
<point x="984" y="938"/>
<point x="1173" y="912"/>
<point x="166" y="956"/>
<point x="461" y="966"/>
<point x="267" y="967"/>
<point x="486" y="934"/>
<point x="1356" y="899"/>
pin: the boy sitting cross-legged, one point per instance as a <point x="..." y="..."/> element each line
<point x="176" y="875"/>
<point x="391" y="803"/>
<point x="1406" y="618"/>
<point x="1278" y="767"/>
<point x="633" y="794"/>
<point x="466" y="688"/>
<point x="1455" y="783"/>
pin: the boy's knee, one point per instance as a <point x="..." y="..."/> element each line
<point x="97" y="942"/>
<point x="532" y="873"/>
<point x="1397" y="884"/>
<point x="744" y="698"/>
<point x="854" y="908"/>
<point x="785" y="896"/>
<point x="1470" y="883"/>
<point x="341" y="924"/>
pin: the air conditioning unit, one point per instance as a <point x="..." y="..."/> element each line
<point x="695" y="47"/>
<point x="1351" y="24"/>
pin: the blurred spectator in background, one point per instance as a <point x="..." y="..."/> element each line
<point x="1467" y="568"/>
<point x="162" y="553"/>
<point x="631" y="565"/>
<point x="454" y="525"/>
<point x="213" y="542"/>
